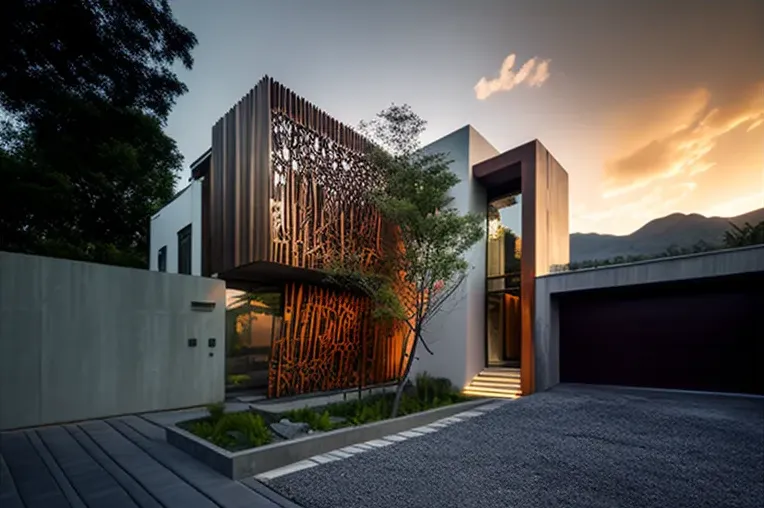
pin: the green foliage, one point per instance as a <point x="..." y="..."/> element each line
<point x="415" y="195"/>
<point x="743" y="236"/>
<point x="238" y="379"/>
<point x="430" y="389"/>
<point x="120" y="53"/>
<point x="317" y="421"/>
<point x="232" y="431"/>
<point x="428" y="393"/>
<point x="375" y="283"/>
<point x="85" y="88"/>
<point x="83" y="183"/>
<point x="216" y="410"/>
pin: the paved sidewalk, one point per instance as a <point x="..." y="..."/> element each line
<point x="115" y="463"/>
<point x="574" y="446"/>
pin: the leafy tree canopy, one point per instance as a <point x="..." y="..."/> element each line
<point x="85" y="88"/>
<point x="117" y="51"/>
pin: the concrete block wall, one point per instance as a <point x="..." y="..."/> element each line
<point x="83" y="340"/>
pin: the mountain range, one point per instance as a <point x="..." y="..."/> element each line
<point x="677" y="229"/>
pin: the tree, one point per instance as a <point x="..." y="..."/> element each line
<point x="748" y="234"/>
<point x="85" y="89"/>
<point x="119" y="52"/>
<point x="434" y="237"/>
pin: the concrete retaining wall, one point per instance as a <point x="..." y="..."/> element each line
<point x="695" y="266"/>
<point x="82" y="340"/>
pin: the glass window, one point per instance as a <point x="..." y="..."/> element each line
<point x="253" y="319"/>
<point x="504" y="242"/>
<point x="184" y="250"/>
<point x="162" y="259"/>
<point x="504" y="251"/>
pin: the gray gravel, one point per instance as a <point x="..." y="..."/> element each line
<point x="572" y="446"/>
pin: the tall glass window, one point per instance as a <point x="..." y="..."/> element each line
<point x="504" y="252"/>
<point x="253" y="319"/>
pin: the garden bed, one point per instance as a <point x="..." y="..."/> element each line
<point x="250" y="442"/>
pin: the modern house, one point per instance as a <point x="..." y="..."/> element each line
<point x="277" y="195"/>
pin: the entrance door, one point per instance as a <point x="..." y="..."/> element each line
<point x="503" y="328"/>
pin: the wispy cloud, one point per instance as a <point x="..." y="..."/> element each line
<point x="684" y="150"/>
<point x="664" y="199"/>
<point x="533" y="73"/>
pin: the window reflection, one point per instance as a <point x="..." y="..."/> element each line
<point x="504" y="242"/>
<point x="504" y="252"/>
<point x="253" y="319"/>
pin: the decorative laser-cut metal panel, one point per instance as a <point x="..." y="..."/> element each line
<point x="318" y="206"/>
<point x="287" y="185"/>
<point x="329" y="341"/>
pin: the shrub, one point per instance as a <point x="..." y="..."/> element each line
<point x="238" y="379"/>
<point x="316" y="421"/>
<point x="232" y="430"/>
<point x="216" y="411"/>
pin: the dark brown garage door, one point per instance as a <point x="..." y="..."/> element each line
<point x="704" y="335"/>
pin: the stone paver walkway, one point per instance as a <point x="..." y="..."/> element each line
<point x="115" y="463"/>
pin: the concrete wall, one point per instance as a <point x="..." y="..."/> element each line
<point x="82" y="340"/>
<point x="546" y="329"/>
<point x="456" y="334"/>
<point x="552" y="246"/>
<point x="185" y="209"/>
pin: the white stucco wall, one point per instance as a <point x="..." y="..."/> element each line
<point x="185" y="209"/>
<point x="456" y="334"/>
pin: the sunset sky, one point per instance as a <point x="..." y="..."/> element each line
<point x="652" y="107"/>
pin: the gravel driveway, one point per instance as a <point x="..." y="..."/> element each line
<point x="572" y="446"/>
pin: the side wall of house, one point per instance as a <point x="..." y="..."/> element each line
<point x="82" y="340"/>
<point x="456" y="335"/>
<point x="184" y="210"/>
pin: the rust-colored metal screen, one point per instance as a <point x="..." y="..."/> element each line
<point x="288" y="184"/>
<point x="329" y="340"/>
<point x="318" y="207"/>
<point x="320" y="213"/>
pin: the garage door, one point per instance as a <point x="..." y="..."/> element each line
<point x="706" y="334"/>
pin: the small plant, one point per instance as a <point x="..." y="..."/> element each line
<point x="238" y="379"/>
<point x="231" y="430"/>
<point x="316" y="421"/>
<point x="216" y="411"/>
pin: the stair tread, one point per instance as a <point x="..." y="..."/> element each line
<point x="491" y="390"/>
<point x="483" y="382"/>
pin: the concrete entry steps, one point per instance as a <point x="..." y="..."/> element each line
<point x="497" y="382"/>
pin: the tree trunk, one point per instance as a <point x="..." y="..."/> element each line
<point x="404" y="377"/>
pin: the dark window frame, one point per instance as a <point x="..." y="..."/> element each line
<point x="162" y="259"/>
<point x="185" y="250"/>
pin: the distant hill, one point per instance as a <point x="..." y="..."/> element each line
<point x="656" y="236"/>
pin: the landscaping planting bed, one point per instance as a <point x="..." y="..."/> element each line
<point x="250" y="442"/>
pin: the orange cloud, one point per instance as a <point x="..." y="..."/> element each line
<point x="533" y="73"/>
<point x="683" y="150"/>
<point x="660" y="200"/>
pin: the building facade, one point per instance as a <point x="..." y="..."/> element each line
<point x="279" y="197"/>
